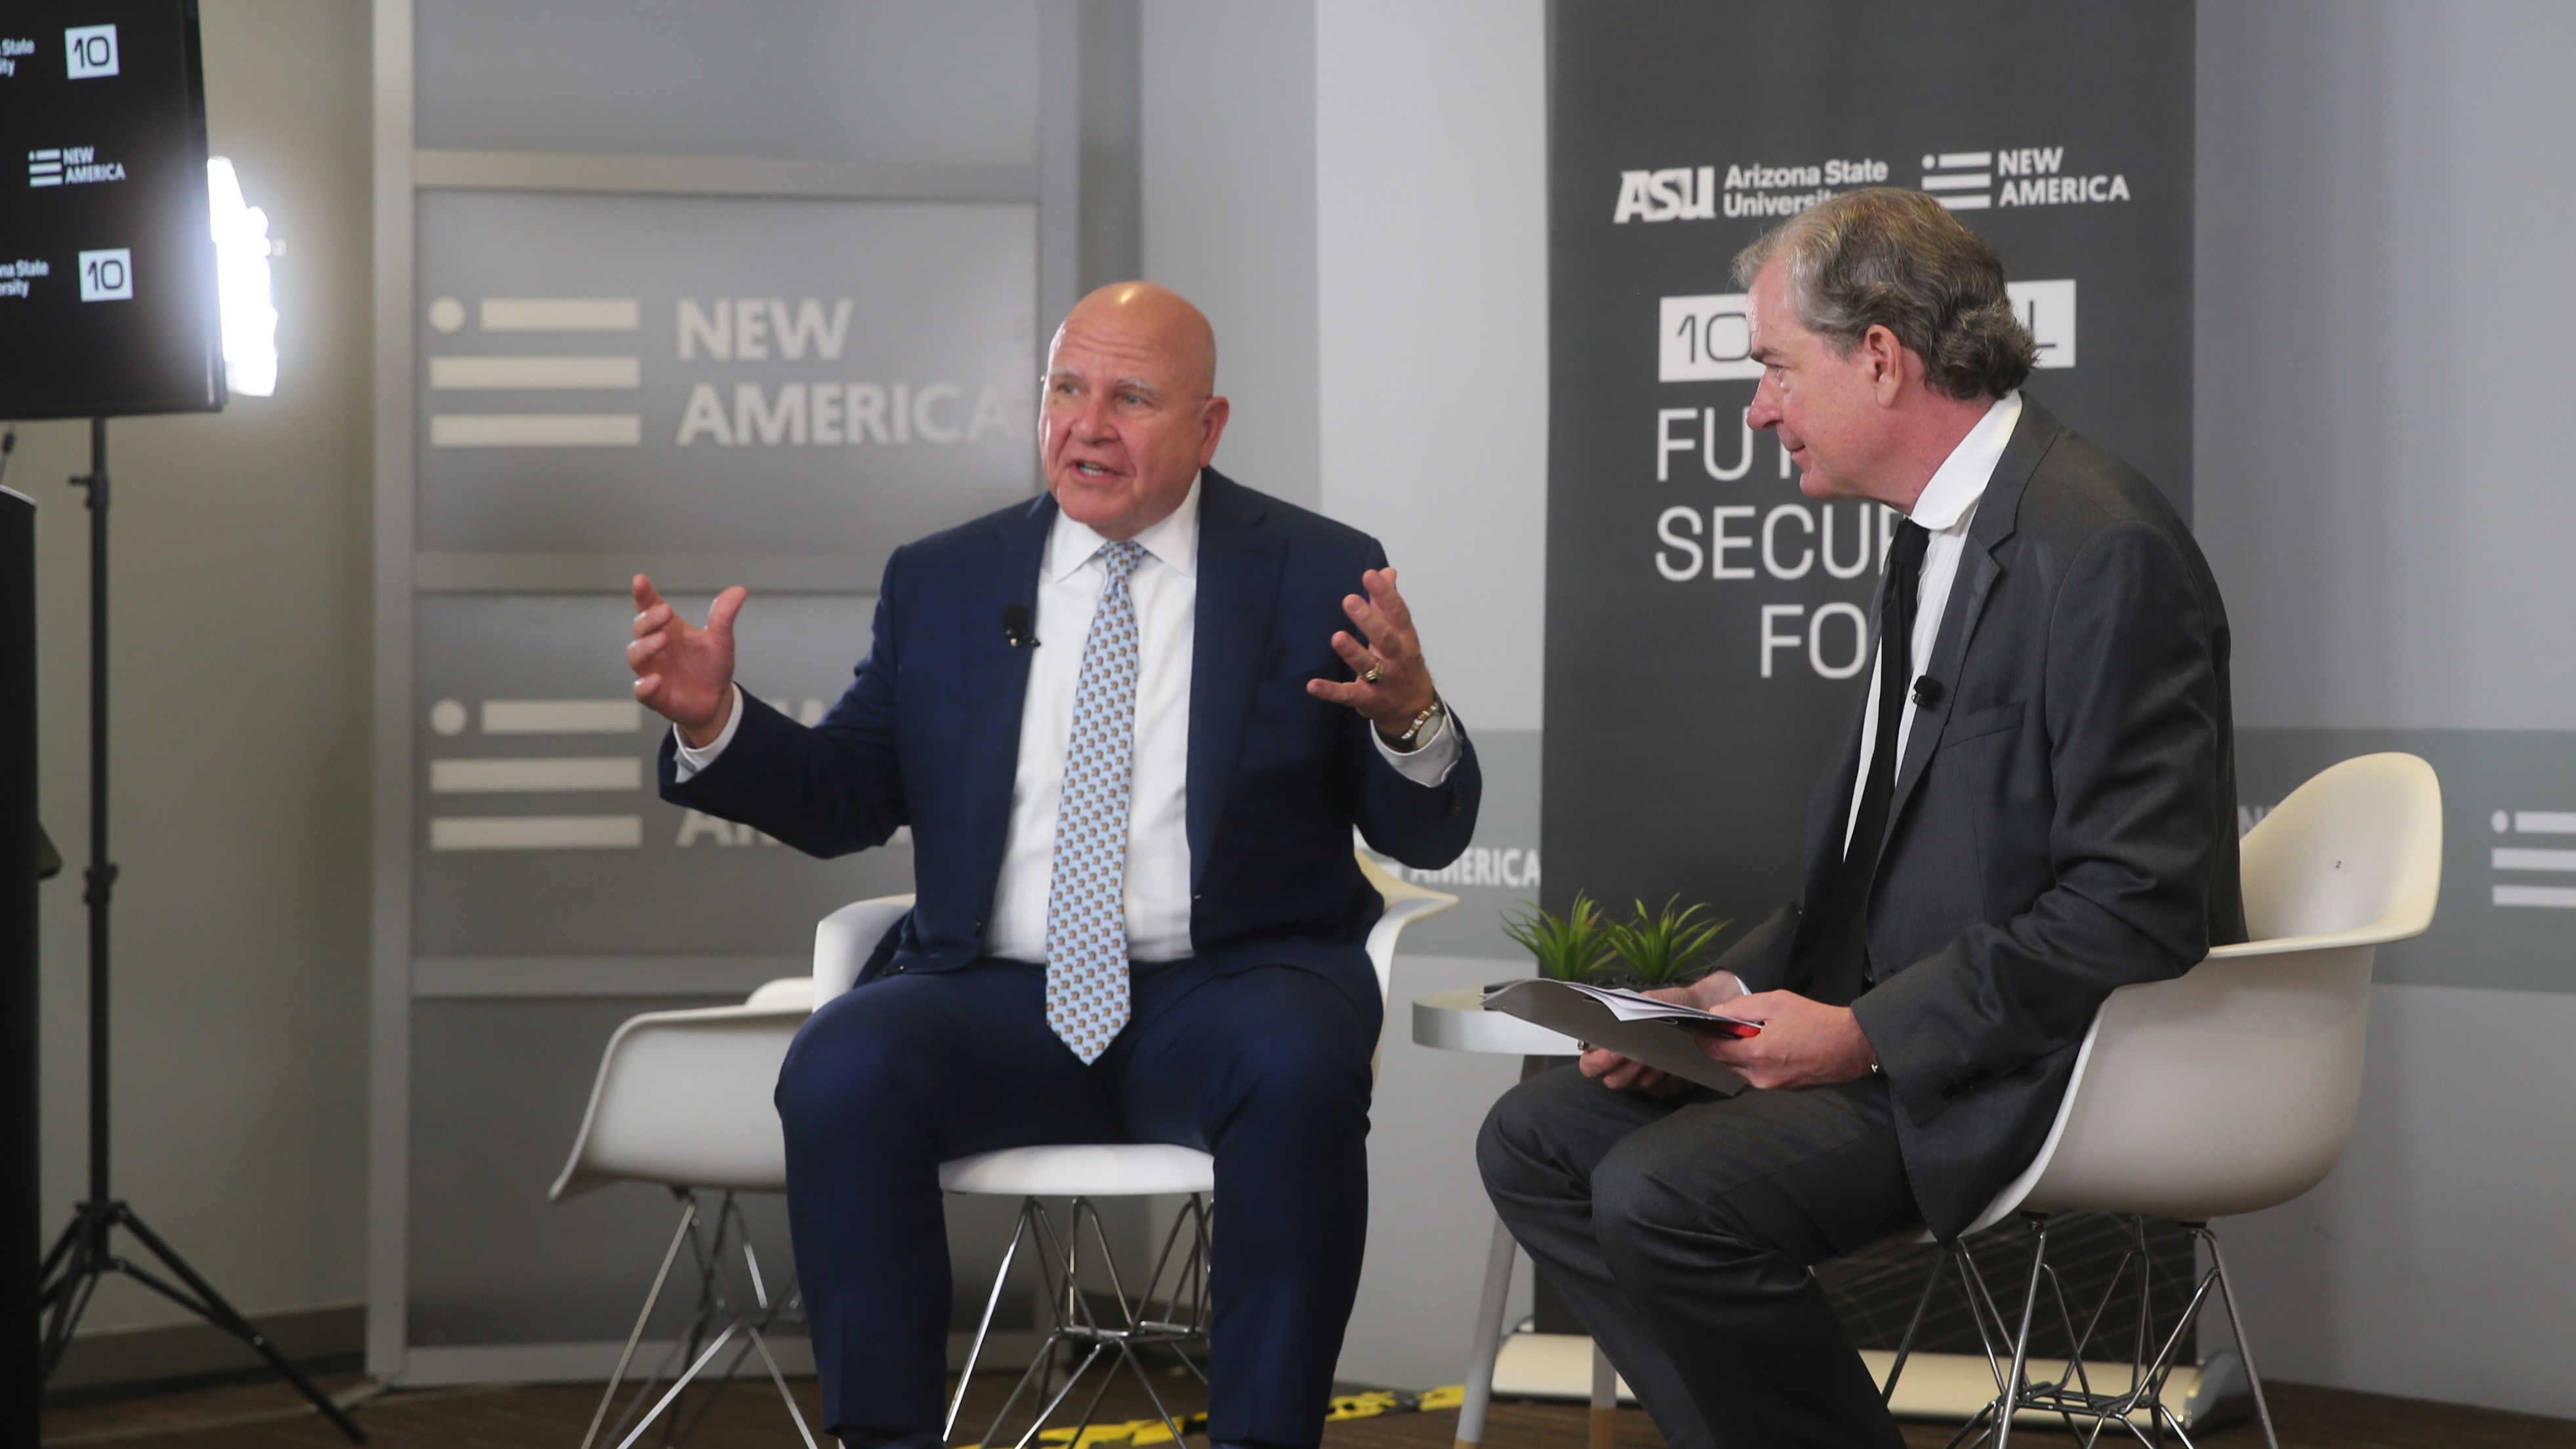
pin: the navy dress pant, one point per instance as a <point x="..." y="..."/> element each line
<point x="1267" y="1069"/>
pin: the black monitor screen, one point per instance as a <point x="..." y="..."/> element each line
<point x="107" y="261"/>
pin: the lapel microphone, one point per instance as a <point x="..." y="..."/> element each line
<point x="1927" y="692"/>
<point x="1015" y="626"/>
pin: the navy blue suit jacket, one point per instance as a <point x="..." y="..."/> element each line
<point x="929" y="736"/>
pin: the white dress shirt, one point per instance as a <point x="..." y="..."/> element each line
<point x="1947" y="506"/>
<point x="1164" y="588"/>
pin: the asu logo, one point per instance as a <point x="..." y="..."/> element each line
<point x="1688" y="193"/>
<point x="1675" y="194"/>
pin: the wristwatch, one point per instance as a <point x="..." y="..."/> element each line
<point x="1411" y="739"/>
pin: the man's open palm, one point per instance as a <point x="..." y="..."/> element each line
<point x="682" y="672"/>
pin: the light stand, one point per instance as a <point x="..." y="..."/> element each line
<point x="85" y="1253"/>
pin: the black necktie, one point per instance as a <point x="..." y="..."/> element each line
<point x="1839" y="969"/>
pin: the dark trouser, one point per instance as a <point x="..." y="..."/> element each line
<point x="1680" y="1232"/>
<point x="1268" y="1070"/>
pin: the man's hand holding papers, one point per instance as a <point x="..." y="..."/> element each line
<point x="1771" y="1039"/>
<point x="1632" y="1036"/>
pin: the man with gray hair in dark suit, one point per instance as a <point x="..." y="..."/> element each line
<point x="2036" y="806"/>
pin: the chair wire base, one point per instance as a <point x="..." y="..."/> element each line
<point x="717" y="1313"/>
<point x="1080" y="1333"/>
<point x="2086" y="1409"/>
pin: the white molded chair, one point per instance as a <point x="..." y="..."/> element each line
<point x="2229" y="1089"/>
<point x="684" y="1100"/>
<point x="1178" y="1280"/>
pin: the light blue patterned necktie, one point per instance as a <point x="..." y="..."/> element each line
<point x="1086" y="992"/>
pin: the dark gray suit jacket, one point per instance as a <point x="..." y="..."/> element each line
<point x="2064" y="819"/>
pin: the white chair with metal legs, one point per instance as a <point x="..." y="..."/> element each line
<point x="2229" y="1089"/>
<point x="683" y="1101"/>
<point x="1084" y="1173"/>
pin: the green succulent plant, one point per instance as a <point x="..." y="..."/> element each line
<point x="1660" y="950"/>
<point x="1570" y="947"/>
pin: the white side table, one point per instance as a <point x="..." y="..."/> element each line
<point x="1456" y="1021"/>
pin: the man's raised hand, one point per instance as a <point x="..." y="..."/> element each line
<point x="1401" y="687"/>
<point x="682" y="672"/>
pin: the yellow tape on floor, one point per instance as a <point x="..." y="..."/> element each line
<point x="1143" y="1433"/>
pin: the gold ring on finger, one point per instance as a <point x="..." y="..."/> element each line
<point x="1375" y="672"/>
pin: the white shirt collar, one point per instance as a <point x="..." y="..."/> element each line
<point x="1951" y="497"/>
<point x="1175" y="540"/>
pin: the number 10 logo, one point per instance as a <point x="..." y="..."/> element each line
<point x="107" y="276"/>
<point x="89" y="51"/>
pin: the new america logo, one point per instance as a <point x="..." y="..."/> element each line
<point x="1960" y="180"/>
<point x="2028" y="176"/>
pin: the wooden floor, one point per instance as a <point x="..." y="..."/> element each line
<point x="746" y="1414"/>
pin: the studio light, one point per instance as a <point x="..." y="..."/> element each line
<point x="241" y="277"/>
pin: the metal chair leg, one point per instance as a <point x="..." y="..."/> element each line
<point x="2011" y="1399"/>
<point x="688" y="1218"/>
<point x="2140" y="1410"/>
<point x="984" y="1325"/>
<point x="1087" y="1338"/>
<point x="678" y="1386"/>
<point x="1604" y="1424"/>
<point x="1914" y="1325"/>
<point x="780" y="1379"/>
<point x="717" y="1309"/>
<point x="2236" y="1326"/>
<point x="1487" y="1345"/>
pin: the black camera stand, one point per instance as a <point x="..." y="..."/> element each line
<point x="85" y="1252"/>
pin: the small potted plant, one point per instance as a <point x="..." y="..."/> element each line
<point x="1662" y="949"/>
<point x="1571" y="947"/>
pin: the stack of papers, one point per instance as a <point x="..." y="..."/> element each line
<point x="1659" y="1033"/>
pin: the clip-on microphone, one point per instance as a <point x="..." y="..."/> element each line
<point x="1927" y="692"/>
<point x="1015" y="626"/>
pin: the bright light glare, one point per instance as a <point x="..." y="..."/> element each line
<point x="241" y="277"/>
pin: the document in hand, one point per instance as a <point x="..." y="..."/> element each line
<point x="1658" y="1033"/>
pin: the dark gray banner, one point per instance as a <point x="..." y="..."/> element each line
<point x="1708" y="625"/>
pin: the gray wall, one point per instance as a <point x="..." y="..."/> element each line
<point x="1356" y="195"/>
<point x="1431" y="216"/>
<point x="2384" y="208"/>
<point x="240" y="812"/>
<point x="1229" y="203"/>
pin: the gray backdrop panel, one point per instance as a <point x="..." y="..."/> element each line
<point x="691" y="884"/>
<point x="937" y="296"/>
<point x="888" y="81"/>
<point x="2508" y="908"/>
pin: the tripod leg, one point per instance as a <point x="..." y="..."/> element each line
<point x="223" y="1315"/>
<point x="69" y="1276"/>
<point x="67" y="1315"/>
<point x="61" y="1249"/>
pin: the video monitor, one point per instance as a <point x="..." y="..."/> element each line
<point x="108" y="303"/>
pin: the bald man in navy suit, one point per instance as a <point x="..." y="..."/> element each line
<point x="1132" y="725"/>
